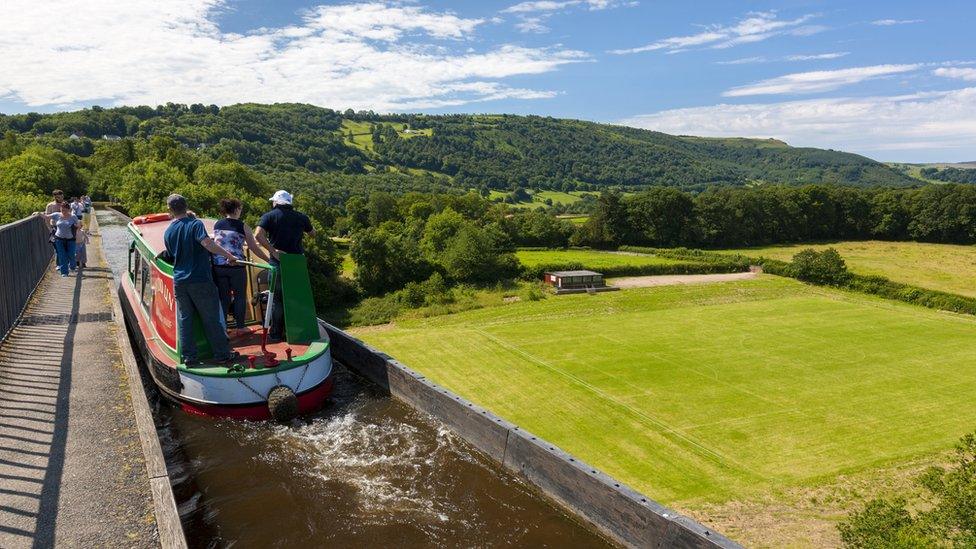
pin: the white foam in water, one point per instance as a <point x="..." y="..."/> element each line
<point x="390" y="464"/>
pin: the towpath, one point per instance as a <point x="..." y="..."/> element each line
<point x="72" y="472"/>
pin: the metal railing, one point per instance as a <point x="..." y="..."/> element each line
<point x="25" y="254"/>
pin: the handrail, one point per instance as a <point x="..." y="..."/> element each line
<point x="25" y="255"/>
<point x="255" y="264"/>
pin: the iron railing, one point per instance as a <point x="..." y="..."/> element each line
<point x="25" y="254"/>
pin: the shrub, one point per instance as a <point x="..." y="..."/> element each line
<point x="375" y="310"/>
<point x="826" y="267"/>
<point x="948" y="521"/>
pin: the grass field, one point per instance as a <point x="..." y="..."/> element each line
<point x="945" y="267"/>
<point x="539" y="198"/>
<point x="362" y="137"/>
<point x="575" y="219"/>
<point x="591" y="259"/>
<point x="705" y="395"/>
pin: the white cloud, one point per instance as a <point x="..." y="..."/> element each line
<point x="925" y="126"/>
<point x="369" y="55"/>
<point x="532" y="24"/>
<point x="745" y="60"/>
<point x="966" y="74"/>
<point x="764" y="59"/>
<point x="817" y="81"/>
<point x="890" y="22"/>
<point x="756" y="27"/>
<point x="531" y="16"/>
<point x="817" y="56"/>
<point x="555" y="5"/>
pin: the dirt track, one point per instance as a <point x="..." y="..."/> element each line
<point x="670" y="280"/>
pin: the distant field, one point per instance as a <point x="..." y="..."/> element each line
<point x="729" y="394"/>
<point x="539" y="198"/>
<point x="362" y="137"/>
<point x="575" y="219"/>
<point x="945" y="267"/>
<point x="591" y="259"/>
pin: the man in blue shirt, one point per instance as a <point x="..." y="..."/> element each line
<point x="187" y="242"/>
<point x="281" y="231"/>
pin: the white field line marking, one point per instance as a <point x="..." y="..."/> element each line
<point x="660" y="424"/>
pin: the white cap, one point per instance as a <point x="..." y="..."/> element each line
<point x="281" y="197"/>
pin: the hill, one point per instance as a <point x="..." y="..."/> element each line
<point x="473" y="151"/>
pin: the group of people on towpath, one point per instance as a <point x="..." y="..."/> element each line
<point x="209" y="281"/>
<point x="68" y="234"/>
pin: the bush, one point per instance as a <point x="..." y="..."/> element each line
<point x="535" y="272"/>
<point x="949" y="519"/>
<point x="375" y="310"/>
<point x="826" y="267"/>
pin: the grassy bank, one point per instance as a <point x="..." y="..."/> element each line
<point x="705" y="395"/>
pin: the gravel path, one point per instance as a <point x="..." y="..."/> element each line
<point x="670" y="280"/>
<point x="71" y="466"/>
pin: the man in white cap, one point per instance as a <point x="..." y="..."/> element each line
<point x="281" y="231"/>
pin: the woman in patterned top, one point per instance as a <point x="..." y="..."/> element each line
<point x="231" y="234"/>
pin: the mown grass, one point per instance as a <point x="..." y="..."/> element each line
<point x="945" y="267"/>
<point x="591" y="259"/>
<point x="699" y="395"/>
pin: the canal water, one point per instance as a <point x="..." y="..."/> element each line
<point x="367" y="471"/>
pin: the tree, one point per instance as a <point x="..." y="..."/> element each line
<point x="386" y="261"/>
<point x="146" y="184"/>
<point x="826" y="267"/>
<point x="948" y="519"/>
<point x="661" y="216"/>
<point x="473" y="255"/>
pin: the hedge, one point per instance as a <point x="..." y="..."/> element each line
<point x="535" y="272"/>
<point x="888" y="289"/>
<point x="688" y="254"/>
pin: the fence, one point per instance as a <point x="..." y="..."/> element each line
<point x="25" y="254"/>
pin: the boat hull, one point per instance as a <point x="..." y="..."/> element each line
<point x="243" y="397"/>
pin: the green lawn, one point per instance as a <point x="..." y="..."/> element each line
<point x="711" y="393"/>
<point x="945" y="267"/>
<point x="575" y="219"/>
<point x="348" y="266"/>
<point x="591" y="259"/>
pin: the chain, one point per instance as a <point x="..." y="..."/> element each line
<point x="301" y="379"/>
<point x="241" y="381"/>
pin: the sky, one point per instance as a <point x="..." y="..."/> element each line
<point x="893" y="80"/>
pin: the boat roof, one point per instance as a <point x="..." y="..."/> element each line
<point x="575" y="273"/>
<point x="152" y="232"/>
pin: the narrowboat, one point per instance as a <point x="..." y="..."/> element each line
<point x="271" y="380"/>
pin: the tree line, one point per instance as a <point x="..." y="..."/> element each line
<point x="726" y="217"/>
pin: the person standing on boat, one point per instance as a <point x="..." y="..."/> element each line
<point x="281" y="231"/>
<point x="65" y="225"/>
<point x="230" y="233"/>
<point x="187" y="242"/>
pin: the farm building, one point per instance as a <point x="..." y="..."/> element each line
<point x="567" y="282"/>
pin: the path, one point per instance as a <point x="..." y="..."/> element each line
<point x="670" y="280"/>
<point x="72" y="472"/>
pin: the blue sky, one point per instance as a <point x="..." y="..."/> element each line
<point x="891" y="80"/>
